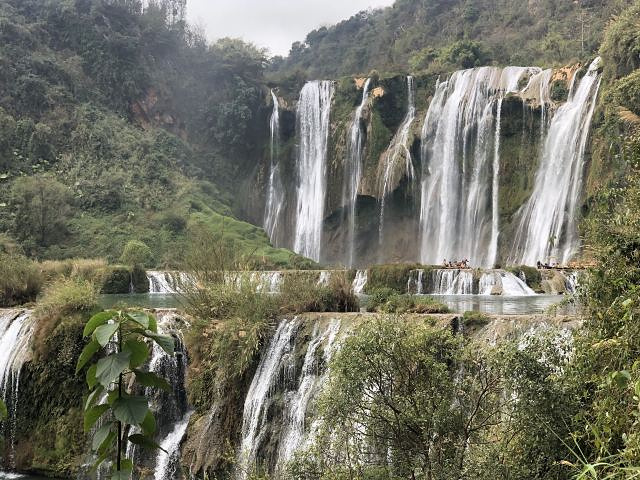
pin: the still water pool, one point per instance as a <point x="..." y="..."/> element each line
<point x="17" y="476"/>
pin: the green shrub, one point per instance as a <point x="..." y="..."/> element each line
<point x="117" y="281"/>
<point x="393" y="276"/>
<point x="67" y="296"/>
<point x="136" y="253"/>
<point x="301" y="293"/>
<point x="385" y="300"/>
<point x="475" y="319"/>
<point x="20" y="280"/>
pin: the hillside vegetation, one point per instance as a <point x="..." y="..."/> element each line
<point x="441" y="35"/>
<point x="118" y="123"/>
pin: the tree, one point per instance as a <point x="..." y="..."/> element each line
<point x="136" y="253"/>
<point x="42" y="210"/>
<point x="112" y="393"/>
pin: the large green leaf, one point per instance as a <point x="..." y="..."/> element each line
<point x="92" y="415"/>
<point x="93" y="396"/>
<point x="150" y="379"/>
<point x="97" y="320"/>
<point x="121" y="475"/>
<point x="130" y="409"/>
<point x="110" y="367"/>
<point x="140" y="318"/>
<point x="139" y="352"/>
<point x="145" y="441"/>
<point x="104" y="333"/>
<point x="87" y="353"/>
<point x="91" y="376"/>
<point x="148" y="425"/>
<point x="166" y="342"/>
<point x="101" y="435"/>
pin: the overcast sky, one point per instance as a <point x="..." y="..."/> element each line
<point x="274" y="24"/>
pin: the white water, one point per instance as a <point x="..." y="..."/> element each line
<point x="297" y="403"/>
<point x="314" y="108"/>
<point x="16" y="330"/>
<point x="452" y="282"/>
<point x="167" y="464"/>
<point x="360" y="282"/>
<point x="165" y="282"/>
<point x="506" y="283"/>
<point x="256" y="401"/>
<point x="275" y="188"/>
<point x="547" y="228"/>
<point x="324" y="278"/>
<point x="460" y="157"/>
<point x="353" y="172"/>
<point x="398" y="163"/>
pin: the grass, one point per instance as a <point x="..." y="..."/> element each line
<point x="20" y="280"/>
<point x="385" y="300"/>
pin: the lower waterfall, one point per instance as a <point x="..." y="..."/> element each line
<point x="359" y="282"/>
<point x="16" y="330"/>
<point x="279" y="379"/>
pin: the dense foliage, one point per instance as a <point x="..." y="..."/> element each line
<point x="120" y="122"/>
<point x="443" y="35"/>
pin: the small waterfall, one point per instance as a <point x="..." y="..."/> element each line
<point x="460" y="159"/>
<point x="572" y="283"/>
<point x="16" y="330"/>
<point x="275" y="188"/>
<point x="168" y="463"/>
<point x="167" y="283"/>
<point x="547" y="228"/>
<point x="359" y="282"/>
<point x="314" y="108"/>
<point x="324" y="278"/>
<point x="452" y="282"/>
<point x="256" y="401"/>
<point x="415" y="283"/>
<point x="499" y="282"/>
<point x="267" y="282"/>
<point x="397" y="153"/>
<point x="353" y="172"/>
<point x="297" y="403"/>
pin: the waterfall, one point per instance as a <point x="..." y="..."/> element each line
<point x="359" y="282"/>
<point x="314" y="108"/>
<point x="547" y="228"/>
<point x="168" y="463"/>
<point x="499" y="282"/>
<point x="398" y="152"/>
<point x="167" y="282"/>
<point x="256" y="402"/>
<point x="16" y="330"/>
<point x="353" y="172"/>
<point x="266" y="282"/>
<point x="324" y="278"/>
<point x="415" y="283"/>
<point x="460" y="165"/>
<point x="275" y="188"/>
<point x="296" y="404"/>
<point x="572" y="283"/>
<point x="452" y="282"/>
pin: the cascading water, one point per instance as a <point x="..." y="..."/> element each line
<point x="16" y="330"/>
<point x="275" y="189"/>
<point x="313" y="113"/>
<point x="359" y="282"/>
<point x="256" y="401"/>
<point x="547" y="228"/>
<point x="168" y="459"/>
<point x="167" y="282"/>
<point x="353" y="172"/>
<point x="452" y="282"/>
<point x="460" y="158"/>
<point x="324" y="278"/>
<point x="499" y="282"/>
<point x="398" y="162"/>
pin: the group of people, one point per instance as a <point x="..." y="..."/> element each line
<point x="547" y="265"/>
<point x="454" y="264"/>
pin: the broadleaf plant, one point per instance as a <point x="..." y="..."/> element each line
<point x="123" y="336"/>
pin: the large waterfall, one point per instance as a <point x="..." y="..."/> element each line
<point x="353" y="172"/>
<point x="314" y="108"/>
<point x="398" y="162"/>
<point x="460" y="165"/>
<point x="547" y="229"/>
<point x="275" y="188"/>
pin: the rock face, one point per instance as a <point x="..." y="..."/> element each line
<point x="502" y="116"/>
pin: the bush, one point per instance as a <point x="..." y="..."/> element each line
<point x="393" y="276"/>
<point x="301" y="293"/>
<point x="20" y="280"/>
<point x="136" y="253"/>
<point x="475" y="319"/>
<point x="67" y="296"/>
<point x="117" y="281"/>
<point x="385" y="300"/>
